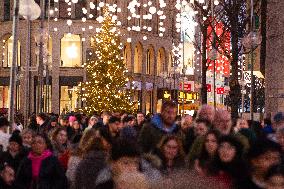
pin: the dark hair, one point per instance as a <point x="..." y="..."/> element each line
<point x="43" y="116"/>
<point x="128" y="118"/>
<point x="170" y="104"/>
<point x="4" y="122"/>
<point x="274" y="171"/>
<point x="205" y="121"/>
<point x="113" y="119"/>
<point x="124" y="148"/>
<point x="204" y="157"/>
<point x="262" y="146"/>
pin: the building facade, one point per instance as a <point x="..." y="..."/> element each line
<point x="68" y="47"/>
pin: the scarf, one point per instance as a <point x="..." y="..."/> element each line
<point x="36" y="162"/>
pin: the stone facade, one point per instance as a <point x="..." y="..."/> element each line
<point x="159" y="46"/>
<point x="275" y="57"/>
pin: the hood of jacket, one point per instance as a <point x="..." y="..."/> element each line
<point x="158" y="123"/>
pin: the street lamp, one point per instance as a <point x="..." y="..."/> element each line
<point x="30" y="10"/>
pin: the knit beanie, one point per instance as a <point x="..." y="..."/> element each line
<point x="16" y="138"/>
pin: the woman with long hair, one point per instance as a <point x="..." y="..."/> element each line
<point x="209" y="150"/>
<point x="170" y="151"/>
<point x="41" y="169"/>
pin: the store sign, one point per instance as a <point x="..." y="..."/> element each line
<point x="208" y="86"/>
<point x="167" y="95"/>
<point x="187" y="86"/>
<point x="188" y="96"/>
<point x="220" y="90"/>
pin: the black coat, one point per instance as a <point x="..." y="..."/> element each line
<point x="14" y="162"/>
<point x="4" y="185"/>
<point x="51" y="175"/>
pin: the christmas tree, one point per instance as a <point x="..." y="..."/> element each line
<point x="105" y="88"/>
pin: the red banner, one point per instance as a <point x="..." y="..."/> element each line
<point x="220" y="90"/>
<point x="186" y="86"/>
<point x="208" y="87"/>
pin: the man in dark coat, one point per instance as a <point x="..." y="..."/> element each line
<point x="7" y="177"/>
<point x="159" y="126"/>
<point x="42" y="121"/>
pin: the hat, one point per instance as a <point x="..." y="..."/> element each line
<point x="103" y="131"/>
<point x="53" y="119"/>
<point x="72" y="119"/>
<point x="4" y="122"/>
<point x="278" y="117"/>
<point x="16" y="138"/>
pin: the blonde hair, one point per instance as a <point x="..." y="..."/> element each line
<point x="89" y="141"/>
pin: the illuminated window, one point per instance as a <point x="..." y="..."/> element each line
<point x="8" y="53"/>
<point x="69" y="98"/>
<point x="71" y="51"/>
<point x="138" y="58"/>
<point x="4" y="97"/>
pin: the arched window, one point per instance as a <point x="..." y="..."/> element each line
<point x="71" y="51"/>
<point x="127" y="55"/>
<point x="150" y="61"/>
<point x="138" y="58"/>
<point x="161" y="61"/>
<point x="8" y="52"/>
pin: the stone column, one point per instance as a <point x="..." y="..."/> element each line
<point x="143" y="80"/>
<point x="55" y="88"/>
<point x="274" y="101"/>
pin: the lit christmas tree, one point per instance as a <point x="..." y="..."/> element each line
<point x="105" y="88"/>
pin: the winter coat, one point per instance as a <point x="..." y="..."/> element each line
<point x="89" y="169"/>
<point x="153" y="131"/>
<point x="14" y="162"/>
<point x="4" y="185"/>
<point x="51" y="175"/>
<point x="71" y="170"/>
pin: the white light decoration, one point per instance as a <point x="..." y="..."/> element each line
<point x="129" y="40"/>
<point x="91" y="16"/>
<point x="100" y="19"/>
<point x="83" y="29"/>
<point x="91" y="27"/>
<point x="66" y="1"/>
<point x="118" y="9"/>
<point x="119" y="23"/>
<point x="92" y="5"/>
<point x="29" y="9"/>
<point x="216" y="2"/>
<point x="144" y="37"/>
<point x="85" y="11"/>
<point x="55" y="29"/>
<point x="101" y="4"/>
<point x="84" y="19"/>
<point x="74" y="1"/>
<point x="150" y="3"/>
<point x="69" y="22"/>
<point x="152" y="10"/>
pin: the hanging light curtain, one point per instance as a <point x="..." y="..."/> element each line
<point x="29" y="9"/>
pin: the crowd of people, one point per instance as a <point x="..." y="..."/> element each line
<point x="116" y="150"/>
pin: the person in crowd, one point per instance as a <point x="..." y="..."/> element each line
<point x="206" y="112"/>
<point x="132" y="180"/>
<point x="61" y="146"/>
<point x="41" y="169"/>
<point x="86" y="145"/>
<point x="140" y="120"/>
<point x="201" y="127"/>
<point x="267" y="126"/>
<point x="125" y="157"/>
<point x="91" y="122"/>
<point x="64" y="121"/>
<point x="53" y="123"/>
<point x="278" y="123"/>
<point x="186" y="133"/>
<point x="128" y="121"/>
<point x="15" y="153"/>
<point x="228" y="166"/>
<point x="208" y="152"/>
<point x="280" y="137"/>
<point x="171" y="152"/>
<point x="42" y="121"/>
<point x="261" y="156"/>
<point x="32" y="123"/>
<point x="128" y="130"/>
<point x="4" y="137"/>
<point x="27" y="136"/>
<point x="91" y="165"/>
<point x="18" y="125"/>
<point x="7" y="177"/>
<point x="243" y="128"/>
<point x="114" y="126"/>
<point x="159" y="126"/>
<point x="275" y="177"/>
<point x="105" y="116"/>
